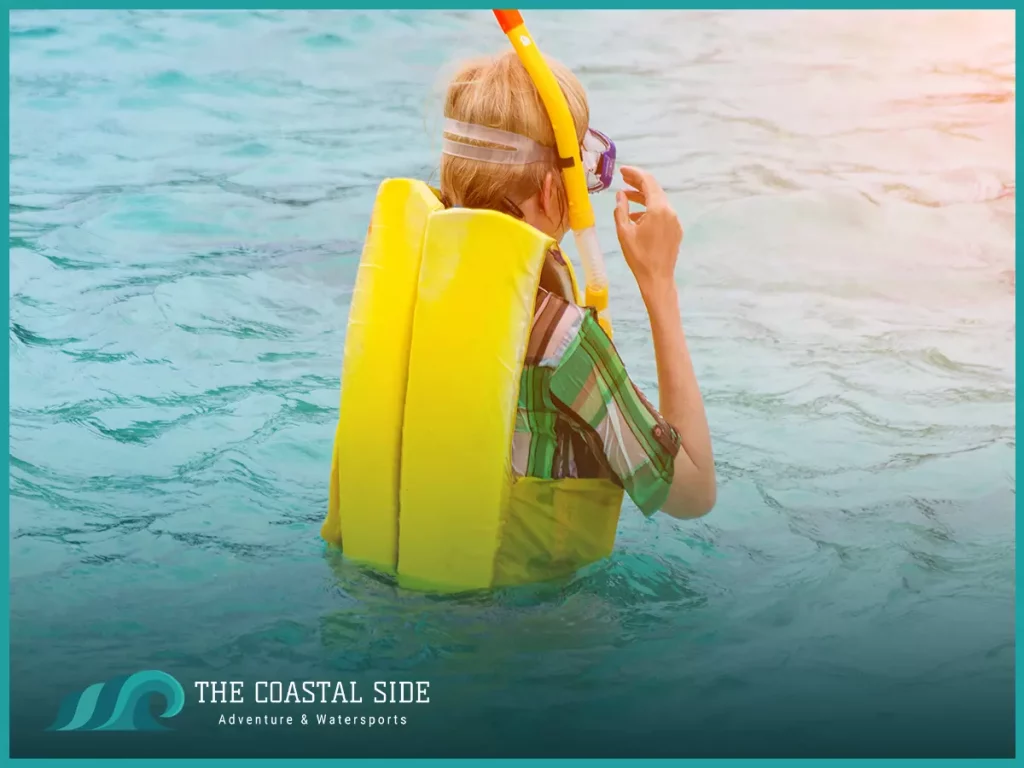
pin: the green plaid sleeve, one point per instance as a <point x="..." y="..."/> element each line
<point x="591" y="382"/>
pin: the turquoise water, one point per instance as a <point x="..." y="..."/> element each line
<point x="188" y="196"/>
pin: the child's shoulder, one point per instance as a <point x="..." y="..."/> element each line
<point x="556" y="323"/>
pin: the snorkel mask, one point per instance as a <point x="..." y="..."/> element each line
<point x="598" y="160"/>
<point x="506" y="148"/>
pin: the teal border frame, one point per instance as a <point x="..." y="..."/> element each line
<point x="5" y="702"/>
<point x="593" y="5"/>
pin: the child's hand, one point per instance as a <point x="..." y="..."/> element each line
<point x="650" y="239"/>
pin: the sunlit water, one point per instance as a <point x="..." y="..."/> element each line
<point x="189" y="193"/>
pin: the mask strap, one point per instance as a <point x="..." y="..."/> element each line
<point x="513" y="149"/>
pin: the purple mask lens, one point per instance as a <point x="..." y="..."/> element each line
<point x="599" y="160"/>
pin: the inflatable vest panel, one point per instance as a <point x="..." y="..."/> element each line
<point x="421" y="478"/>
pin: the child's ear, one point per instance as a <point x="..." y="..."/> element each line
<point x="547" y="196"/>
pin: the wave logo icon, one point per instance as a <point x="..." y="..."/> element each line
<point x="121" y="704"/>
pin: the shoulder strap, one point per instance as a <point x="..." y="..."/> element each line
<point x="556" y="277"/>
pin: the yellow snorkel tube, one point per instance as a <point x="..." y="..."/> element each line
<point x="581" y="214"/>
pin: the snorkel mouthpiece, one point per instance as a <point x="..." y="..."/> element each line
<point x="581" y="214"/>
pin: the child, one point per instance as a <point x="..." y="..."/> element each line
<point x="579" y="415"/>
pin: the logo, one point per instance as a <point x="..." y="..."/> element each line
<point x="121" y="704"/>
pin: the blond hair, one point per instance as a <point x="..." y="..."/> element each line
<point x="498" y="93"/>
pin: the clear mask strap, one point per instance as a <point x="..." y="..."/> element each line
<point x="513" y="149"/>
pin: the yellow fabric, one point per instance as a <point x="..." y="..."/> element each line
<point x="363" y="501"/>
<point x="554" y="527"/>
<point x="421" y="480"/>
<point x="465" y="363"/>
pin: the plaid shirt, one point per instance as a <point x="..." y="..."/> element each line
<point x="580" y="415"/>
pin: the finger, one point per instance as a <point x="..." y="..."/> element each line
<point x="636" y="197"/>
<point x="635" y="217"/>
<point x="646" y="183"/>
<point x="621" y="212"/>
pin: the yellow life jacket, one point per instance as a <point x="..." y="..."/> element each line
<point x="421" y="478"/>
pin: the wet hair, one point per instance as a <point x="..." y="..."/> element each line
<point x="497" y="92"/>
